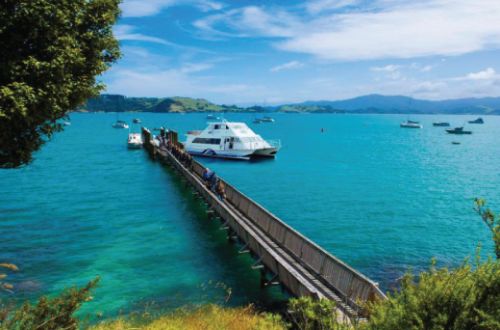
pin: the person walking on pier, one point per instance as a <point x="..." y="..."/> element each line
<point x="220" y="190"/>
<point x="210" y="178"/>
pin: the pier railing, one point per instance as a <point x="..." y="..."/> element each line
<point x="347" y="281"/>
<point x="351" y="286"/>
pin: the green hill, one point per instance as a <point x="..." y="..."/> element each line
<point x="120" y="103"/>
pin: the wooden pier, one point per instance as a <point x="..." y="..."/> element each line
<point x="283" y="255"/>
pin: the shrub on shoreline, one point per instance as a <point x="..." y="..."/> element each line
<point x="206" y="317"/>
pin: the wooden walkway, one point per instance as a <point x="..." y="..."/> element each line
<point x="282" y="254"/>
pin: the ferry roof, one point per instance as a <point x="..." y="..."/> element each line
<point x="236" y="128"/>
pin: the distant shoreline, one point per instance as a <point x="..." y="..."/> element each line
<point x="299" y="112"/>
<point x="369" y="104"/>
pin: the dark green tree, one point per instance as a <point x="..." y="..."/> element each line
<point x="491" y="221"/>
<point x="51" y="53"/>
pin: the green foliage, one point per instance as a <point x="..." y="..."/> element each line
<point x="209" y="317"/>
<point x="465" y="298"/>
<point x="309" y="314"/>
<point x="51" y="52"/>
<point x="491" y="221"/>
<point x="49" y="313"/>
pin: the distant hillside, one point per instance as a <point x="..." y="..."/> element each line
<point x="363" y="104"/>
<point x="120" y="103"/>
<point x="403" y="104"/>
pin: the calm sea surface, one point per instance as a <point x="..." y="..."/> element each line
<point x="382" y="198"/>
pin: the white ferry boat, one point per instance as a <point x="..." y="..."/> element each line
<point x="229" y="140"/>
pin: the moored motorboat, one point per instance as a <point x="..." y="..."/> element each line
<point x="477" y="121"/>
<point x="229" y="140"/>
<point x="212" y="117"/>
<point x="136" y="121"/>
<point x="120" y="124"/>
<point x="267" y="120"/>
<point x="458" y="130"/>
<point x="411" y="124"/>
<point x="441" y="124"/>
<point x="134" y="141"/>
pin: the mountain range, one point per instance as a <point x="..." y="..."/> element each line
<point x="364" y="104"/>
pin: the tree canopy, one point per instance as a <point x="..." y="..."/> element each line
<point x="52" y="51"/>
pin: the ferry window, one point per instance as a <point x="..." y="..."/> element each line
<point x="206" y="141"/>
<point x="216" y="126"/>
<point x="227" y="127"/>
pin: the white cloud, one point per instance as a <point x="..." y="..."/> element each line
<point x="249" y="21"/>
<point x="383" y="29"/>
<point x="316" y="6"/>
<point x="426" y="68"/>
<point x="391" y="71"/>
<point x="156" y="81"/>
<point x="127" y="32"/>
<point x="141" y="8"/>
<point x="486" y="74"/>
<point x="196" y="67"/>
<point x="287" y="66"/>
<point x="432" y="27"/>
<point x="387" y="68"/>
<point x="124" y="32"/>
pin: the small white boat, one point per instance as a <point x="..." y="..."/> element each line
<point x="212" y="117"/>
<point x="411" y="124"/>
<point x="136" y="121"/>
<point x="267" y="120"/>
<point x="230" y="140"/>
<point x="66" y="123"/>
<point x="134" y="141"/>
<point x="120" y="124"/>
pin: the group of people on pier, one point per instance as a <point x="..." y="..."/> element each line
<point x="211" y="180"/>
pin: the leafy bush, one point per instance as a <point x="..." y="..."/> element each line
<point x="207" y="317"/>
<point x="309" y="314"/>
<point x="464" y="298"/>
<point x="49" y="313"/>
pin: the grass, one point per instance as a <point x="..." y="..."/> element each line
<point x="207" y="317"/>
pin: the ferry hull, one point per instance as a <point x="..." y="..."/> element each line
<point x="235" y="154"/>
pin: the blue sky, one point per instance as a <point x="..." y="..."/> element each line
<point x="272" y="52"/>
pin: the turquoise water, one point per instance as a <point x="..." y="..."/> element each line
<point x="382" y="198"/>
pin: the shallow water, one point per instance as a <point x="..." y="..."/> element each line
<point x="382" y="198"/>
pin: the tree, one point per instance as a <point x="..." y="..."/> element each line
<point x="52" y="51"/>
<point x="491" y="221"/>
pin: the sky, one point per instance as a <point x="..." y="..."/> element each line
<point x="275" y="52"/>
